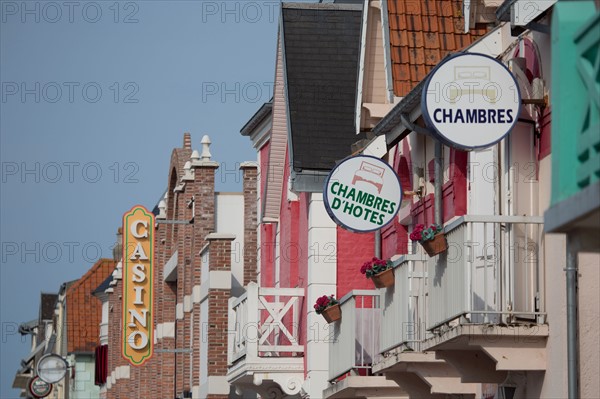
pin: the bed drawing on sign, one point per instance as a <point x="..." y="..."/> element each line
<point x="479" y="79"/>
<point x="371" y="174"/>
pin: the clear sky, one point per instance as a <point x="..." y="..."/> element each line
<point x="94" y="97"/>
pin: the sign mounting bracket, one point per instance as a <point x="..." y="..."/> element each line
<point x="413" y="126"/>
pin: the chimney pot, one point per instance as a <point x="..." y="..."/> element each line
<point x="187" y="141"/>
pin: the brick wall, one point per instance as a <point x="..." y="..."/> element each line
<point x="204" y="223"/>
<point x="169" y="374"/>
<point x="250" y="176"/>
<point x="353" y="249"/>
<point x="216" y="332"/>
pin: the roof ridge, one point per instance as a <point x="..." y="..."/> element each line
<point x="89" y="273"/>
<point x="323" y="6"/>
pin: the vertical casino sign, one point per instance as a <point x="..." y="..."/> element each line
<point x="138" y="273"/>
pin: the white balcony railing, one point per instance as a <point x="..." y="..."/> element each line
<point x="264" y="322"/>
<point x="490" y="274"/>
<point x="404" y="305"/>
<point x="355" y="344"/>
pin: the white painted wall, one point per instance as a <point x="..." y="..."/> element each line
<point x="555" y="379"/>
<point x="321" y="232"/>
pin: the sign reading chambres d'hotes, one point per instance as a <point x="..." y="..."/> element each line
<point x="362" y="194"/>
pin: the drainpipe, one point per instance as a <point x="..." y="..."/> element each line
<point x="572" y="339"/>
<point x="438" y="182"/>
<point x="378" y="243"/>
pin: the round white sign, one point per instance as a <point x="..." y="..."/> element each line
<point x="52" y="368"/>
<point x="362" y="193"/>
<point x="471" y="100"/>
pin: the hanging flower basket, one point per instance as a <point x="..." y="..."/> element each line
<point x="384" y="279"/>
<point x="436" y="246"/>
<point x="432" y="238"/>
<point x="329" y="308"/>
<point x="380" y="271"/>
<point x="332" y="313"/>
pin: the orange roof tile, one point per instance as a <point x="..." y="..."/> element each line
<point x="422" y="32"/>
<point x="84" y="312"/>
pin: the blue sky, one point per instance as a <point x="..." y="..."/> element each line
<point x="94" y="97"/>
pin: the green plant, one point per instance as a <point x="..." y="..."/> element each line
<point x="423" y="234"/>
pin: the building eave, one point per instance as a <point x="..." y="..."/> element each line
<point x="256" y="119"/>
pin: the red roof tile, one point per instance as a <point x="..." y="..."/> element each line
<point x="422" y="32"/>
<point x="84" y="312"/>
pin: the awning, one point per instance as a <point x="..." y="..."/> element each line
<point x="21" y="380"/>
<point x="38" y="349"/>
<point x="23" y="375"/>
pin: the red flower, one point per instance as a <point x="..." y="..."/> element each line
<point x="416" y="235"/>
<point x="324" y="302"/>
<point x="374" y="266"/>
<point x="365" y="267"/>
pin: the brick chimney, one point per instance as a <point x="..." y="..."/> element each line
<point x="250" y="176"/>
<point x="187" y="141"/>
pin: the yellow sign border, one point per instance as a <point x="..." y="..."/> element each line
<point x="126" y="263"/>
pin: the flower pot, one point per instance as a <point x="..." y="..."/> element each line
<point x="435" y="246"/>
<point x="384" y="279"/>
<point x="332" y="313"/>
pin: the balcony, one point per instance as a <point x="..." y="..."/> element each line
<point x="471" y="314"/>
<point x="486" y="295"/>
<point x="490" y="274"/>
<point x="403" y="332"/>
<point x="354" y="348"/>
<point x="264" y="354"/>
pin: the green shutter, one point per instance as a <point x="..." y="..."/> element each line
<point x="575" y="98"/>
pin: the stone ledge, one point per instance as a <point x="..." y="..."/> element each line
<point x="220" y="236"/>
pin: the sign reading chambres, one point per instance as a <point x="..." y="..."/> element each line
<point x="471" y="101"/>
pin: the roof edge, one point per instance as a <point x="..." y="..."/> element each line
<point x="257" y="118"/>
<point x="323" y="6"/>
